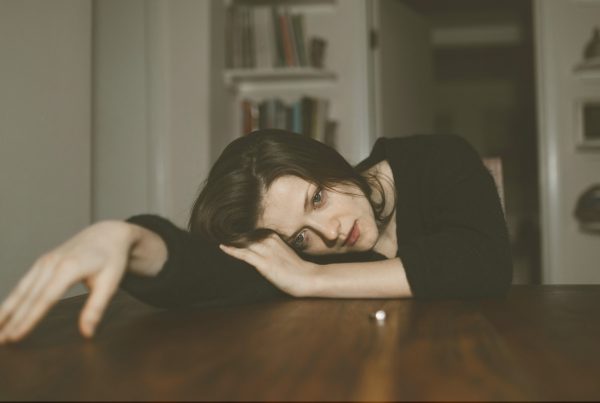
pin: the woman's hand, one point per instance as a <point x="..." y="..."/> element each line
<point x="275" y="260"/>
<point x="97" y="256"/>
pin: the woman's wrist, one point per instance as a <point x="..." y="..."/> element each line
<point x="380" y="279"/>
<point x="147" y="253"/>
<point x="308" y="286"/>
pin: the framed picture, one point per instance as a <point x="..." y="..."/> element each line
<point x="588" y="124"/>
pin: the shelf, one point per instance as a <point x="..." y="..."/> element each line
<point x="294" y="6"/>
<point x="288" y="74"/>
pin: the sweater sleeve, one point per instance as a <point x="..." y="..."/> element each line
<point x="464" y="251"/>
<point x="195" y="272"/>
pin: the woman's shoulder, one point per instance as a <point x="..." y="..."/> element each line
<point x="411" y="152"/>
<point x="422" y="141"/>
<point x="427" y="148"/>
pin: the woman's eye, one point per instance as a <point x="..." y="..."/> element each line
<point x="318" y="197"/>
<point x="299" y="241"/>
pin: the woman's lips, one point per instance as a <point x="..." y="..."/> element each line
<point x="353" y="236"/>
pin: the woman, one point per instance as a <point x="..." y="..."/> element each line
<point x="420" y="217"/>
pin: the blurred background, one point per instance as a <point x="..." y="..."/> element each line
<point x="109" y="108"/>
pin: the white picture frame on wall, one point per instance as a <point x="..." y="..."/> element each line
<point x="587" y="128"/>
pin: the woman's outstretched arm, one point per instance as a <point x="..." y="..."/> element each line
<point x="98" y="256"/>
<point x="195" y="272"/>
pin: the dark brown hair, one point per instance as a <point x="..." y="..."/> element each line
<point x="229" y="205"/>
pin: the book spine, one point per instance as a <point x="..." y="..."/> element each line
<point x="316" y="119"/>
<point x="262" y="115"/>
<point x="254" y="116"/>
<point x="300" y="40"/>
<point x="324" y="119"/>
<point x="261" y="38"/>
<point x="257" y="37"/>
<point x="289" y="118"/>
<point x="246" y="117"/>
<point x="270" y="121"/>
<point x="278" y="38"/>
<point x="297" y="118"/>
<point x="293" y="39"/>
<point x="282" y="118"/>
<point x="287" y="40"/>
<point x="246" y="44"/>
<point x="331" y="133"/>
<point x="305" y="102"/>
<point x="317" y="52"/>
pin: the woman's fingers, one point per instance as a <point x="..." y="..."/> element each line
<point x="101" y="292"/>
<point x="18" y="301"/>
<point x="13" y="300"/>
<point x="271" y="244"/>
<point x="44" y="292"/>
<point x="97" y="255"/>
<point x="37" y="310"/>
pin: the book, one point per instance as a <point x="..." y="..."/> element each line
<point x="289" y="118"/>
<point x="246" y="116"/>
<point x="306" y="105"/>
<point x="285" y="33"/>
<point x="317" y="52"/>
<point x="307" y="116"/>
<point x="297" y="117"/>
<point x="262" y="115"/>
<point x="245" y="38"/>
<point x="264" y="39"/>
<point x="236" y="36"/>
<point x="298" y="28"/>
<point x="320" y="112"/>
<point x="293" y="39"/>
<point x="330" y="137"/>
<point x="280" y="118"/>
<point x="279" y="51"/>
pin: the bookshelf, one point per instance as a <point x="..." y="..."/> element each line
<point x="340" y="82"/>
<point x="304" y="6"/>
<point x="236" y="77"/>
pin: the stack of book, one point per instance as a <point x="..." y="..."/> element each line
<point x="308" y="116"/>
<point x="267" y="37"/>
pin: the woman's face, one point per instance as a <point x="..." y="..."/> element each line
<point x="318" y="221"/>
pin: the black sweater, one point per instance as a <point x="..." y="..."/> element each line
<point x="451" y="232"/>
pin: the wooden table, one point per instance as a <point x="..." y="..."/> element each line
<point x="541" y="343"/>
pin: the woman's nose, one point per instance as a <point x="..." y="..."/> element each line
<point x="330" y="230"/>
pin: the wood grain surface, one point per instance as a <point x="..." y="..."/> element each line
<point x="540" y="343"/>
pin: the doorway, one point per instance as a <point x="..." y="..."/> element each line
<point x="477" y="57"/>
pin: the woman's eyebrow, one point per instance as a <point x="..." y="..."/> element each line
<point x="306" y="203"/>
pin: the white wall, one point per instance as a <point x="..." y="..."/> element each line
<point x="403" y="67"/>
<point x="120" y="140"/>
<point x="151" y="123"/>
<point x="45" y="105"/>
<point x="189" y="103"/>
<point x="562" y="30"/>
<point x="150" y="107"/>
